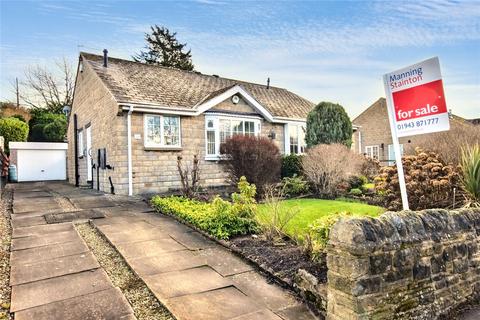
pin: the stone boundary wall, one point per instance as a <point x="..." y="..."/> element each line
<point x="404" y="265"/>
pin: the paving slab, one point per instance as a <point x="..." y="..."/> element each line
<point x="42" y="292"/>
<point x="28" y="272"/>
<point x="72" y="216"/>
<point x="48" y="252"/>
<point x="134" y="236"/>
<point x="224" y="261"/>
<point x="49" y="238"/>
<point x="148" y="248"/>
<point x="106" y="304"/>
<point x="183" y="282"/>
<point x="29" y="214"/>
<point x="35" y="207"/>
<point x="193" y="240"/>
<point x="263" y="314"/>
<point x="270" y="295"/>
<point x="167" y="224"/>
<point x="34" y="201"/>
<point x="298" y="312"/>
<point x="221" y="304"/>
<point x="170" y="261"/>
<point x="18" y="221"/>
<point x="92" y="202"/>
<point x="20" y="195"/>
<point x="40" y="230"/>
<point x="137" y="225"/>
<point x="120" y="220"/>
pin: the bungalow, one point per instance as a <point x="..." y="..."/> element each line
<point x="129" y="121"/>
<point x="372" y="136"/>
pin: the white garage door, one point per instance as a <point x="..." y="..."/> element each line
<point x="40" y="161"/>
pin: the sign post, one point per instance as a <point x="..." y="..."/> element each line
<point x="416" y="105"/>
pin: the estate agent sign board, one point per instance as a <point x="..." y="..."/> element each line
<point x="416" y="105"/>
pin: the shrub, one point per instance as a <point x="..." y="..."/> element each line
<point x="318" y="234"/>
<point x="13" y="129"/>
<point x="355" y="192"/>
<point x="220" y="218"/>
<point x="430" y="182"/>
<point x="291" y="165"/>
<point x="294" y="186"/>
<point x="370" y="168"/>
<point x="19" y="117"/>
<point x="328" y="123"/>
<point x="448" y="144"/>
<point x="56" y="130"/>
<point x="256" y="158"/>
<point x="189" y="187"/>
<point x="470" y="166"/>
<point x="326" y="166"/>
<point x="275" y="218"/>
<point x="46" y="126"/>
<point x="357" y="181"/>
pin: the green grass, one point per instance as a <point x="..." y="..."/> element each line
<point x="312" y="209"/>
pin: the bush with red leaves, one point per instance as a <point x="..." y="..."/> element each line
<point x="256" y="158"/>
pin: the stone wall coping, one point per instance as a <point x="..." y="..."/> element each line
<point x="393" y="230"/>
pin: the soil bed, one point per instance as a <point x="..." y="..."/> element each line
<point x="5" y="241"/>
<point x="283" y="260"/>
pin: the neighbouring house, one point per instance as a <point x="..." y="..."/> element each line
<point x="372" y="136"/>
<point x="129" y="121"/>
<point x="9" y="109"/>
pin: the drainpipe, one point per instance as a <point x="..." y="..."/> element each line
<point x="129" y="150"/>
<point x="75" y="145"/>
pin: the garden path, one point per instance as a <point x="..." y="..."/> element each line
<point x="194" y="277"/>
<point x="53" y="273"/>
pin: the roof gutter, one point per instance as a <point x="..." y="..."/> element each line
<point x="155" y="109"/>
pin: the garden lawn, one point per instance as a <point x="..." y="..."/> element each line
<point x="313" y="209"/>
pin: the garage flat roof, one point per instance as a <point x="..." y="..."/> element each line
<point x="38" y="145"/>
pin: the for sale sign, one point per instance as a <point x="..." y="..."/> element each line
<point x="416" y="99"/>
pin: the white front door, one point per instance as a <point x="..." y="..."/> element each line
<point x="89" y="153"/>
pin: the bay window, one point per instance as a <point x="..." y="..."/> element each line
<point x="294" y="138"/>
<point x="219" y="128"/>
<point x="162" y="131"/>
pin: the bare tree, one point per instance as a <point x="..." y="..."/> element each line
<point x="48" y="88"/>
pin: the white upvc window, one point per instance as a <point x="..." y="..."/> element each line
<point x="80" y="143"/>
<point x="219" y="128"/>
<point x="372" y="152"/>
<point x="295" y="138"/>
<point x="162" y="131"/>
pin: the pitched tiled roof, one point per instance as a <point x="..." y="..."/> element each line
<point x="134" y="82"/>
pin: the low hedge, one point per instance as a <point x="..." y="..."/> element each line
<point x="222" y="219"/>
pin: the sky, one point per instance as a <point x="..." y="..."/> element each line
<point x="322" y="50"/>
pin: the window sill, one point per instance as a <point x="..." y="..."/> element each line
<point x="162" y="148"/>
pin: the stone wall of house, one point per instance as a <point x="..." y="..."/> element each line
<point x="405" y="265"/>
<point x="94" y="106"/>
<point x="156" y="170"/>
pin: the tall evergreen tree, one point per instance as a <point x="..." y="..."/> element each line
<point x="164" y="49"/>
<point x="328" y="123"/>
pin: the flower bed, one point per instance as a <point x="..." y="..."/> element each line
<point x="219" y="218"/>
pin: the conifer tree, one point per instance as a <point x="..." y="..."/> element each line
<point x="164" y="49"/>
<point x="328" y="123"/>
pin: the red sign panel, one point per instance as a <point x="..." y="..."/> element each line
<point x="424" y="100"/>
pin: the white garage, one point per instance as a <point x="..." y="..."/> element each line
<point x="39" y="161"/>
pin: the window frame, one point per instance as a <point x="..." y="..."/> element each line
<point x="287" y="143"/>
<point x="80" y="144"/>
<point x="371" y="147"/>
<point x="216" y="129"/>
<point x="161" y="145"/>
